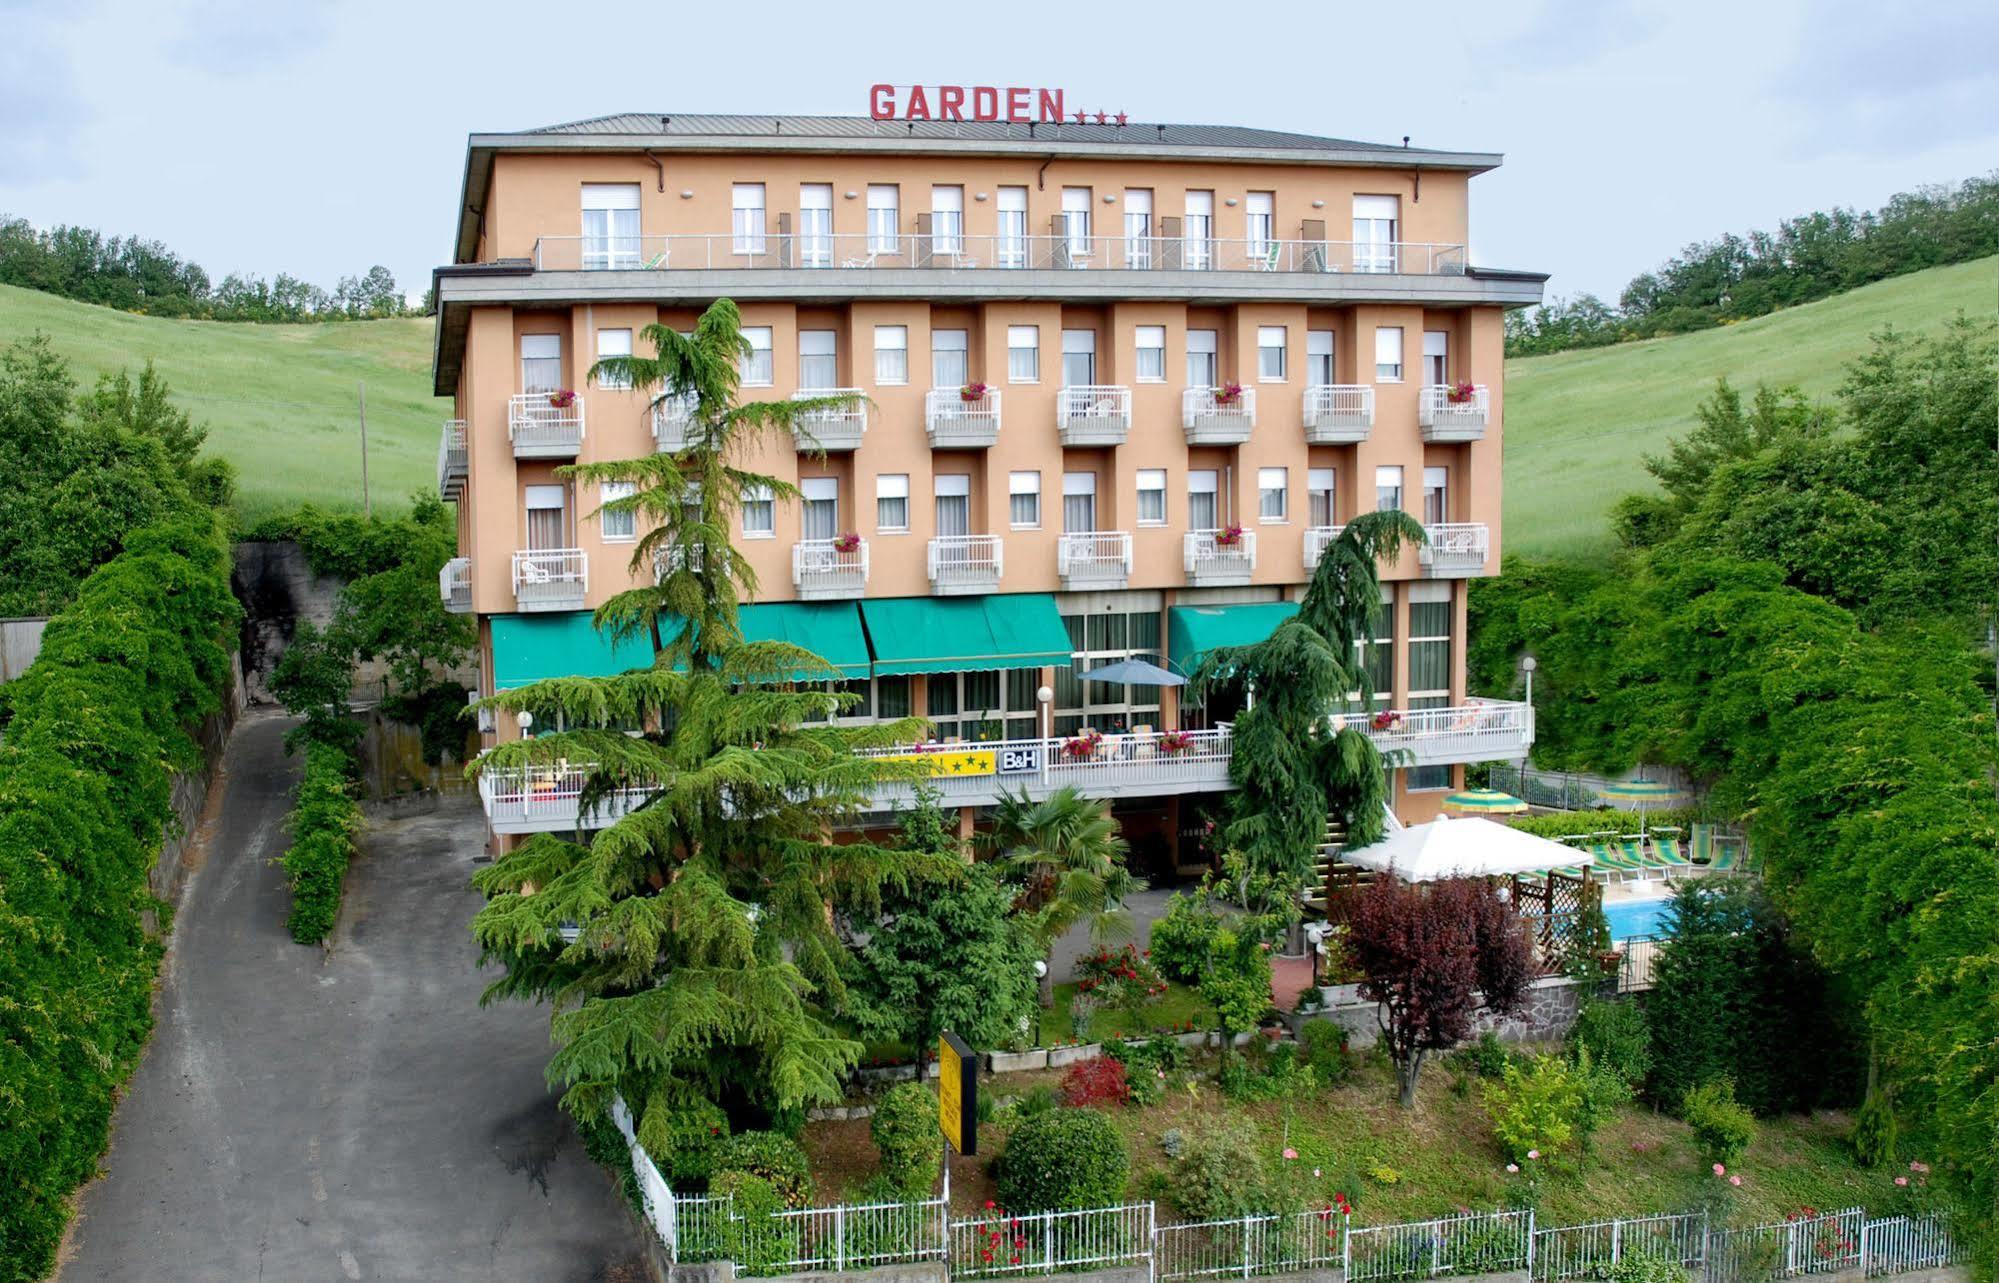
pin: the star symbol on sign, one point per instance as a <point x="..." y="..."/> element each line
<point x="1080" y="113"/>
<point x="1120" y="118"/>
<point x="1101" y="118"/>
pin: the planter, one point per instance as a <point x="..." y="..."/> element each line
<point x="1017" y="1062"/>
<point x="1060" y="1056"/>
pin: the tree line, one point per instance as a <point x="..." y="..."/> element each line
<point x="138" y="275"/>
<point x="1734" y="278"/>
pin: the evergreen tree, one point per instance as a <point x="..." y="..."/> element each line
<point x="1065" y="861"/>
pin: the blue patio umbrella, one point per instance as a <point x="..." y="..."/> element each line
<point x="1134" y="672"/>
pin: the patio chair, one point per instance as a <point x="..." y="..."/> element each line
<point x="657" y="261"/>
<point x="1702" y="853"/>
<point x="1667" y="848"/>
<point x="1606" y="860"/>
<point x="1632" y="848"/>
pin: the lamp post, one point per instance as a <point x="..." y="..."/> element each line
<point x="524" y="720"/>
<point x="1527" y="666"/>
<point x="1045" y="696"/>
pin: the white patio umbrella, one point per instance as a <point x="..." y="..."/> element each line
<point x="1473" y="847"/>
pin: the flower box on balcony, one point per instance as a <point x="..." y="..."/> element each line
<point x="1386" y="720"/>
<point x="1170" y="742"/>
<point x="1229" y="537"/>
<point x="847" y="543"/>
<point x="1083" y="747"/>
<point x="1462" y="392"/>
<point x="1228" y="394"/>
<point x="562" y="398"/>
<point x="972" y="392"/>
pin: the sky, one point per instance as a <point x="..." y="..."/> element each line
<point x="321" y="138"/>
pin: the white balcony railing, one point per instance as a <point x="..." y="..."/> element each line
<point x="956" y="422"/>
<point x="962" y="564"/>
<point x="1338" y="413"/>
<point x="1317" y="540"/>
<point x="1209" y="420"/>
<point x="541" y="429"/>
<point x="550" y="578"/>
<point x="768" y="249"/>
<point x="824" y="570"/>
<point x="1093" y="414"/>
<point x="454" y="585"/>
<point x="1455" y="549"/>
<point x="1211" y="562"/>
<point x="548" y="799"/>
<point x="840" y="428"/>
<point x="1094" y="559"/>
<point x="671" y="417"/>
<point x="1479" y="730"/>
<point x="1449" y="413"/>
<point x="451" y="460"/>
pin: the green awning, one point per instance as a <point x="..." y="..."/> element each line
<point x="533" y="648"/>
<point x="829" y="629"/>
<point x="965" y="634"/>
<point x="1193" y="631"/>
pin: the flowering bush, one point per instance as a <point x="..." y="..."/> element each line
<point x="562" y="398"/>
<point x="972" y="391"/>
<point x="1173" y="741"/>
<point x="1463" y="392"/>
<point x="1123" y="968"/>
<point x="1386" y="720"/>
<point x="1229" y="536"/>
<point x="1228" y="393"/>
<point x="1096" y="1082"/>
<point x="1085" y="745"/>
<point x="849" y="542"/>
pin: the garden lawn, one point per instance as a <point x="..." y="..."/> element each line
<point x="1172" y="1011"/>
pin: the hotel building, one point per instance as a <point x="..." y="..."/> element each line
<point x="1120" y="385"/>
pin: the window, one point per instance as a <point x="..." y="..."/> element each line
<point x="1375" y="654"/>
<point x="759" y="513"/>
<point x="892" y="503"/>
<point x="1273" y="494"/>
<point x="820" y="497"/>
<point x="1102" y="639"/>
<point x="746" y="217"/>
<point x="1023" y="491"/>
<point x="1374" y="223"/>
<point x="1138" y="227"/>
<point x="1010" y="250"/>
<point x="1319" y="358"/>
<point x="892" y="697"/>
<point x="1152" y="496"/>
<point x="1436" y="357"/>
<point x="953" y="491"/>
<point x="1203" y="510"/>
<point x="1079" y="358"/>
<point x="1197" y="234"/>
<point x="756" y="371"/>
<point x="1076" y="220"/>
<point x="947" y="220"/>
<point x="614" y="343"/>
<point x="1430" y="618"/>
<point x="1259" y="220"/>
<point x="1079" y="502"/>
<point x="815" y="225"/>
<point x="617" y="526"/>
<point x="1436" y="496"/>
<point x="884" y="218"/>
<point x="989" y="705"/>
<point x="948" y="368"/>
<point x="818" y="360"/>
<point x="1320" y="508"/>
<point x="1023" y="354"/>
<point x="541" y="362"/>
<point x="891" y="354"/>
<point x="548" y="527"/>
<point x="1388" y="487"/>
<point x="1152" y="354"/>
<point x="1203" y="366"/>
<point x="1388" y="354"/>
<point x="610" y="226"/>
<point x="1270" y="363"/>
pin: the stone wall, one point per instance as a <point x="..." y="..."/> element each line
<point x="191" y="790"/>
<point x="1548" y="1015"/>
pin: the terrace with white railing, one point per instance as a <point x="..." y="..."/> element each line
<point x="454" y="585"/>
<point x="545" y="425"/>
<point x="550" y="579"/>
<point x="1479" y="730"/>
<point x="1219" y="558"/>
<point x="1093" y="414"/>
<point x="1317" y="540"/>
<point x="1450" y="413"/>
<point x="965" y="564"/>
<point x="1338" y="413"/>
<point x="1094" y="559"/>
<point x="671" y="417"/>
<point x="451" y="460"/>
<point x="829" y="569"/>
<point x="834" y="429"/>
<point x="1212" y="417"/>
<point x="1455" y="550"/>
<point x="955" y="421"/>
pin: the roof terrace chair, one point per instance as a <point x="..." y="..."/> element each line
<point x="1631" y="847"/>
<point x="658" y="260"/>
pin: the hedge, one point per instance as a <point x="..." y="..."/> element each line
<point x="323" y="823"/>
<point x="1561" y="824"/>
<point x="101" y="722"/>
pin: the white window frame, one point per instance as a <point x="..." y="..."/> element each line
<point x="1259" y="214"/>
<point x="1032" y="346"/>
<point x="1076" y="220"/>
<point x="1138" y="227"/>
<point x="1321" y="367"/>
<point x="815" y="225"/>
<point x="760" y="366"/>
<point x="815" y="340"/>
<point x="947" y="218"/>
<point x="890" y="488"/>
<point x="759" y="513"/>
<point x="626" y="529"/>
<point x="1377" y="223"/>
<point x="1197" y="232"/>
<point x="1436" y="481"/>
<point x="817" y="490"/>
<point x="1151" y="484"/>
<point x="1273" y="482"/>
<point x="1079" y="343"/>
<point x="1150" y="341"/>
<point x="1272" y="339"/>
<point x="1389" y="476"/>
<point x="955" y="343"/>
<point x="1326" y="482"/>
<point x="618" y="346"/>
<point x="950" y="485"/>
<point x="614" y="243"/>
<point x="892" y="341"/>
<point x="1388" y="365"/>
<point x="1077" y="485"/>
<point x="1436" y="357"/>
<point x="1205" y="481"/>
<point x="747" y="218"/>
<point x="884" y="218"/>
<point x="541" y="348"/>
<point x="1010" y="246"/>
<point x="1019" y="484"/>
<point x="1207" y="343"/>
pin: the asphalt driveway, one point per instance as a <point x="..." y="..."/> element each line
<point x="342" y="1114"/>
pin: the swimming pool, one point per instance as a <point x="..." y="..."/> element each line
<point x="1637" y="917"/>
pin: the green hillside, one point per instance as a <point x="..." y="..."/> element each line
<point x="279" y="400"/>
<point x="1577" y="423"/>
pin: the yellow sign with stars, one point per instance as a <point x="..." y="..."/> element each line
<point x="952" y="763"/>
<point x="958" y="1093"/>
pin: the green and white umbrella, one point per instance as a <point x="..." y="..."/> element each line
<point x="1484" y="802"/>
<point x="1641" y="793"/>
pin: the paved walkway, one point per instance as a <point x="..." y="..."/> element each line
<point x="346" y="1114"/>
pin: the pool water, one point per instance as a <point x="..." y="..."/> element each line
<point x="1637" y="917"/>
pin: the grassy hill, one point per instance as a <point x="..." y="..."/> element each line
<point x="279" y="400"/>
<point x="1577" y="423"/>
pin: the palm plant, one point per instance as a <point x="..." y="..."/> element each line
<point x="688" y="948"/>
<point x="1066" y="859"/>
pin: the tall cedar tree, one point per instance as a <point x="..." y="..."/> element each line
<point x="704" y="961"/>
<point x="1433" y="956"/>
<point x="1290" y="766"/>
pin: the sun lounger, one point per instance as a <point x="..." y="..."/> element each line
<point x="1607" y="858"/>
<point x="1703" y="848"/>
<point x="1669" y="851"/>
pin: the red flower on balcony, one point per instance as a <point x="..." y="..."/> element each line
<point x="1174" y="741"/>
<point x="1228" y="394"/>
<point x="1083" y="747"/>
<point x="1462" y="392"/>
<point x="1229" y="537"/>
<point x="973" y="391"/>
<point x="849" y="542"/>
<point x="1387" y="719"/>
<point x="562" y="398"/>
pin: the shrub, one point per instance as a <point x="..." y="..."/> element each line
<point x="904" y="1127"/>
<point x="1604" y="1092"/>
<point x="1874" y="1131"/>
<point x="1181" y="938"/>
<point x="683" y="1138"/>
<point x="1616" y="1037"/>
<point x="775" y="1159"/>
<point x="1122" y="979"/>
<point x="1324" y="1044"/>
<point x="1068" y="1159"/>
<point x="753" y="1235"/>
<point x="1220" y="1173"/>
<point x="1722" y="1127"/>
<point x="1643" y="1267"/>
<point x="1095" y="1082"/>
<point x="1146" y="1064"/>
<point x="1485" y="1058"/>
<point x="1534" y="1108"/>
<point x="323" y="822"/>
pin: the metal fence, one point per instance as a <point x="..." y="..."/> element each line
<point x="1822" y="1244"/>
<point x="1250" y="1245"/>
<point x="1004" y="1245"/>
<point x="1583" y="1251"/>
<point x="1895" y="1244"/>
<point x="1475" y="1243"/>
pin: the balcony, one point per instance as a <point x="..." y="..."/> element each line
<point x="550" y="579"/>
<point x="1317" y="540"/>
<point x="964" y="565"/>
<point x="451" y="460"/>
<point x="825" y="570"/>
<point x="548" y="799"/>
<point x="956" y="422"/>
<point x="1215" y="561"/>
<point x="1338" y="413"/>
<point x="1095" y="559"/>
<point x="672" y="416"/>
<point x="541" y="429"/>
<point x="454" y="585"/>
<point x="836" y="429"/>
<point x="1480" y="730"/>
<point x="1209" y="420"/>
<point x="1452" y="413"/>
<point x="1455" y="550"/>
<point x="1093" y="415"/>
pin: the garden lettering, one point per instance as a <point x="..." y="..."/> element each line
<point x="949" y="102"/>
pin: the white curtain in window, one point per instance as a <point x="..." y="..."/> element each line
<point x="1273" y="494"/>
<point x="613" y="343"/>
<point x="954" y="504"/>
<point x="818" y="360"/>
<point x="1202" y="364"/>
<point x="1151" y="354"/>
<point x="1079" y="358"/>
<point x="759" y="511"/>
<point x="1079" y="502"/>
<point x="815" y="225"/>
<point x="617" y="525"/>
<point x="1197" y="233"/>
<point x="1024" y="498"/>
<point x="1319" y="358"/>
<point x="1023" y="353"/>
<point x="1138" y="227"/>
<point x="747" y="217"/>
<point x="1270" y="354"/>
<point x="546" y="527"/>
<point x="1203" y="512"/>
<point x="884" y="218"/>
<point x="1259" y="220"/>
<point x="948" y="368"/>
<point x="1319" y="486"/>
<point x="1076" y="219"/>
<point x="947" y="220"/>
<point x="1374" y="224"/>
<point x="1436" y="357"/>
<point x="892" y="501"/>
<point x="1436" y="495"/>
<point x="541" y="362"/>
<point x="1011" y="250"/>
<point x="1152" y="496"/>
<point x="757" y="369"/>
<point x="1388" y="353"/>
<point x="821" y="498"/>
<point x="1388" y="487"/>
<point x="610" y="225"/>
<point x="891" y="354"/>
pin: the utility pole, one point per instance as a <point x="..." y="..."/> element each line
<point x="367" y="508"/>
